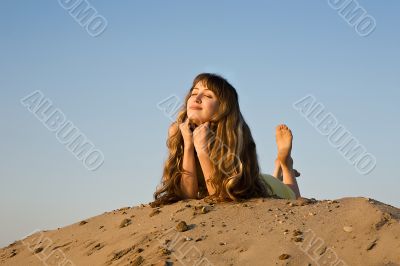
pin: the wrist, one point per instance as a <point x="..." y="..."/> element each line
<point x="188" y="145"/>
<point x="202" y="154"/>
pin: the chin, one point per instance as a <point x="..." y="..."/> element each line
<point x="195" y="119"/>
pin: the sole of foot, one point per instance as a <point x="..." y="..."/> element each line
<point x="284" y="139"/>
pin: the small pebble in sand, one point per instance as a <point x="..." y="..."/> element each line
<point x="297" y="232"/>
<point x="297" y="239"/>
<point x="372" y="244"/>
<point x="165" y="251"/>
<point x="13" y="253"/>
<point x="154" y="212"/>
<point x="222" y="243"/>
<point x="205" y="209"/>
<point x="137" y="261"/>
<point x="188" y="238"/>
<point x="322" y="250"/>
<point x="83" y="223"/>
<point x="38" y="250"/>
<point x="284" y="256"/>
<point x="305" y="201"/>
<point x="348" y="229"/>
<point x="200" y="207"/>
<point x="125" y="222"/>
<point x="139" y="250"/>
<point x="182" y="226"/>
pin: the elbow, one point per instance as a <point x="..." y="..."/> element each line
<point x="190" y="195"/>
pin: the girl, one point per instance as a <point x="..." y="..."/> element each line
<point x="212" y="152"/>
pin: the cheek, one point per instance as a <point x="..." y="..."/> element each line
<point x="213" y="107"/>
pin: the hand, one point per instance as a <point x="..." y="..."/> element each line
<point x="201" y="138"/>
<point x="186" y="133"/>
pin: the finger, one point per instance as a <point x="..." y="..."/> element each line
<point x="197" y="131"/>
<point x="183" y="122"/>
<point x="204" y="125"/>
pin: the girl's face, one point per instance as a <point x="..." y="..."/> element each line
<point x="202" y="105"/>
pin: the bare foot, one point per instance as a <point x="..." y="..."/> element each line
<point x="284" y="142"/>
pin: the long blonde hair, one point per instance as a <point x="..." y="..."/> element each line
<point x="236" y="173"/>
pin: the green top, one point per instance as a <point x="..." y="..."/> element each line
<point x="279" y="188"/>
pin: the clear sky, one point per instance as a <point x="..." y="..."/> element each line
<point x="273" y="52"/>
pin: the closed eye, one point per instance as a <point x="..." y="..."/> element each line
<point x="208" y="96"/>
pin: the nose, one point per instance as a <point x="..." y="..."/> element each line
<point x="198" y="100"/>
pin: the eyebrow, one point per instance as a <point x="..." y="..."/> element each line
<point x="199" y="89"/>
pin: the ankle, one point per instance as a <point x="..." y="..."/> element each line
<point x="287" y="164"/>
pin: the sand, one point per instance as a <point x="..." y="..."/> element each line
<point x="347" y="231"/>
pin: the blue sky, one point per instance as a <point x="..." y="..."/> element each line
<point x="273" y="52"/>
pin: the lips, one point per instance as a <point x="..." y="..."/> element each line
<point x="195" y="108"/>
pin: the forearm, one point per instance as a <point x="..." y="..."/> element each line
<point x="290" y="180"/>
<point x="189" y="185"/>
<point x="207" y="168"/>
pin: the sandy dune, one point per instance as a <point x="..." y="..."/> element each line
<point x="347" y="231"/>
